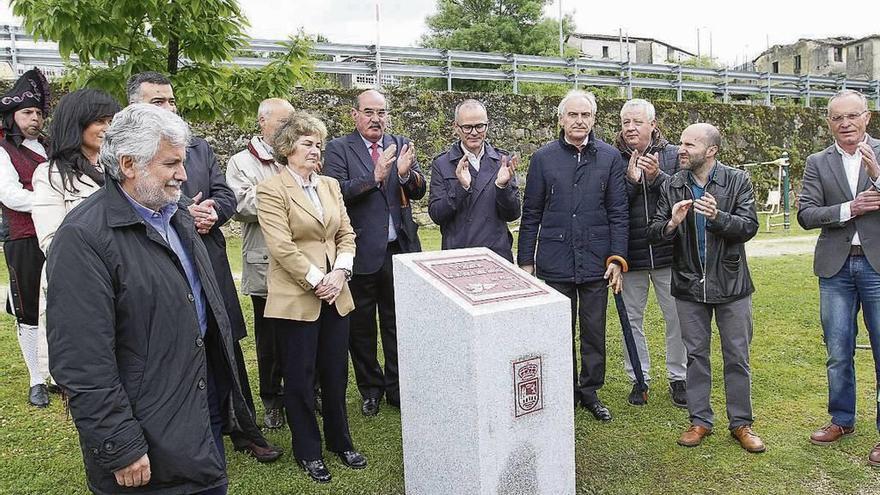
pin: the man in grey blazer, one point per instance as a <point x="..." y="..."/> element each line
<point x="840" y="196"/>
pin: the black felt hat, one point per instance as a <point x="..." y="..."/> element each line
<point x="31" y="90"/>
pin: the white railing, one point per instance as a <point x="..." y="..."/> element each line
<point x="450" y="65"/>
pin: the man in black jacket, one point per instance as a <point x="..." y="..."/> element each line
<point x="139" y="336"/>
<point x="708" y="212"/>
<point x="652" y="160"/>
<point x="212" y="205"/>
<point x="573" y="233"/>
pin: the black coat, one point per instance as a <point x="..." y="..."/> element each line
<point x="643" y="198"/>
<point x="726" y="271"/>
<point x="347" y="160"/>
<point x="124" y="342"/>
<point x="575" y="211"/>
<point x="478" y="217"/>
<point x="203" y="175"/>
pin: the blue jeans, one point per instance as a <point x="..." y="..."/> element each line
<point x="855" y="286"/>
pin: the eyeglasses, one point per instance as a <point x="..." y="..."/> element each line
<point x="848" y="116"/>
<point x="370" y="113"/>
<point x="468" y="128"/>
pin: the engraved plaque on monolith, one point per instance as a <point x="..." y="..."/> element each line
<point x="485" y="362"/>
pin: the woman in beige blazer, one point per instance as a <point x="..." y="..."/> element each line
<point x="71" y="175"/>
<point x="311" y="248"/>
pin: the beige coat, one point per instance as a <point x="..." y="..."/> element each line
<point x="243" y="172"/>
<point x="50" y="207"/>
<point x="297" y="240"/>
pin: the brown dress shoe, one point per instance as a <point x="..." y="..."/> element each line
<point x="874" y="456"/>
<point x="830" y="433"/>
<point x="747" y="439"/>
<point x="694" y="436"/>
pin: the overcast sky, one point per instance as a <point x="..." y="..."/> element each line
<point x="739" y="29"/>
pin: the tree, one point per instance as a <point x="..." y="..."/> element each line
<point x="506" y="26"/>
<point x="193" y="41"/>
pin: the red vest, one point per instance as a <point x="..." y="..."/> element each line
<point x="25" y="162"/>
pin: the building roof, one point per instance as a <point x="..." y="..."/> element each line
<point x="837" y="41"/>
<point x="610" y="37"/>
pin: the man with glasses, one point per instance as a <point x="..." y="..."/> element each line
<point x="379" y="176"/>
<point x="473" y="187"/>
<point x="840" y="196"/>
<point x="574" y="232"/>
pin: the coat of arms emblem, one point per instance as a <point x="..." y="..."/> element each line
<point x="528" y="387"/>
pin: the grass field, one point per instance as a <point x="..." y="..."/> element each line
<point x="634" y="453"/>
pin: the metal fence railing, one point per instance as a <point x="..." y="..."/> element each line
<point x="450" y="65"/>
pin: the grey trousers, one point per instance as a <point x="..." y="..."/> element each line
<point x="734" y="321"/>
<point x="635" y="295"/>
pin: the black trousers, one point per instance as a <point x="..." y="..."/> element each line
<point x="24" y="260"/>
<point x="589" y="302"/>
<point x="268" y="357"/>
<point x="369" y="292"/>
<point x="309" y="347"/>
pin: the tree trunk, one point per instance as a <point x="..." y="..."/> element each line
<point x="173" y="39"/>
<point x="173" y="54"/>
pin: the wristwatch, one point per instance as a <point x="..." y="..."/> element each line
<point x="347" y="273"/>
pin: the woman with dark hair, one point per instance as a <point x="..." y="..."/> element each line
<point x="72" y="173"/>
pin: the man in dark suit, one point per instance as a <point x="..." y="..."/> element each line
<point x="473" y="187"/>
<point x="840" y="196"/>
<point x="213" y="204"/>
<point x="379" y="176"/>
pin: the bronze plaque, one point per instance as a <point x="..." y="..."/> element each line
<point x="481" y="279"/>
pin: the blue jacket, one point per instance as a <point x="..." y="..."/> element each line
<point x="347" y="160"/>
<point x="575" y="212"/>
<point x="478" y="217"/>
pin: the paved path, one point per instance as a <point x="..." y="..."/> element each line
<point x="802" y="244"/>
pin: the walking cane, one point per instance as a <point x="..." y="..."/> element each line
<point x="630" y="343"/>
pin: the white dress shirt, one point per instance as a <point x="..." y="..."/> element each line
<point x="392" y="232"/>
<point x="12" y="192"/>
<point x="852" y="164"/>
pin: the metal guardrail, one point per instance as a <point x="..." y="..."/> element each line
<point x="336" y="58"/>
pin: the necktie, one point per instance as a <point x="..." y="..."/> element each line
<point x="374" y="154"/>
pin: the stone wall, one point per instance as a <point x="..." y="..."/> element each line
<point x="523" y="123"/>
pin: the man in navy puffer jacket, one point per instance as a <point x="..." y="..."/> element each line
<point x="574" y="231"/>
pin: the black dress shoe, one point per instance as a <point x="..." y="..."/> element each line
<point x="370" y="407"/>
<point x="274" y="418"/>
<point x="38" y="396"/>
<point x="317" y="470"/>
<point x="53" y="389"/>
<point x="265" y="454"/>
<point x="352" y="459"/>
<point x="598" y="410"/>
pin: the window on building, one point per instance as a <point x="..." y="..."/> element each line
<point x="797" y="64"/>
<point x="604" y="52"/>
<point x="838" y="54"/>
<point x="670" y="54"/>
<point x="860" y="52"/>
<point x="775" y="66"/>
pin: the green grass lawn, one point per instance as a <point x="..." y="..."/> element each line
<point x="634" y="453"/>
